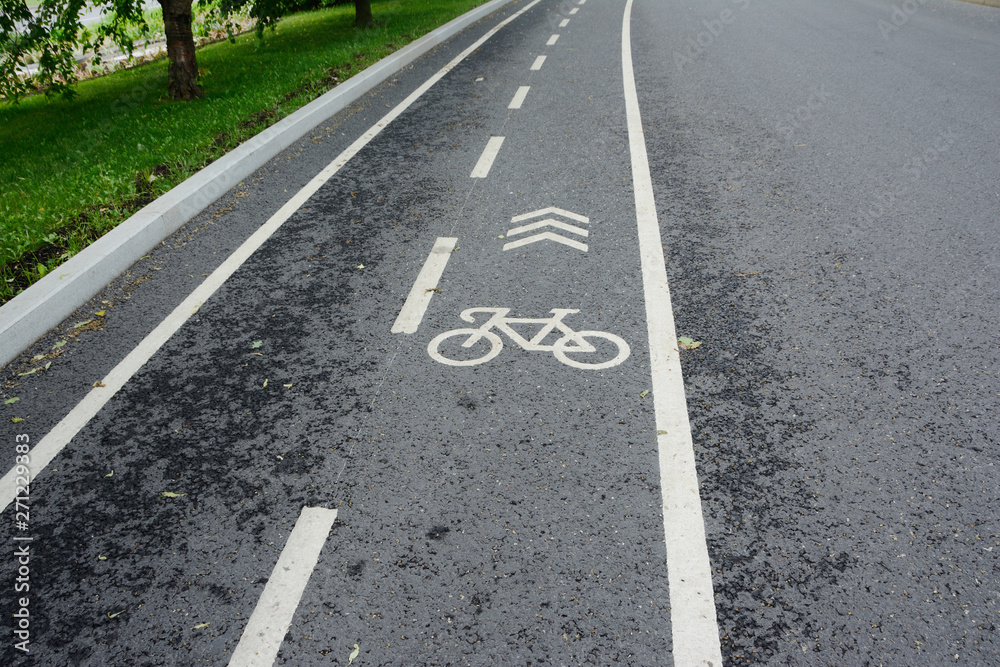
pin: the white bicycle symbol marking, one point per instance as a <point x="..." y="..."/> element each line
<point x="571" y="342"/>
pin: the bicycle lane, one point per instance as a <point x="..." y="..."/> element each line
<point x="508" y="509"/>
<point x="159" y="525"/>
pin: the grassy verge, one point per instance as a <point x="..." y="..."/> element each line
<point x="71" y="171"/>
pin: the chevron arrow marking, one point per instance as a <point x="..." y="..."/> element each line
<point x="546" y="236"/>
<point x="551" y="209"/>
<point x="566" y="227"/>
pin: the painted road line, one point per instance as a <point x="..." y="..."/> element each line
<point x="564" y="23"/>
<point x="546" y="236"/>
<point x="552" y="40"/>
<point x="482" y="168"/>
<point x="538" y="63"/>
<point x="519" y="96"/>
<point x="548" y="222"/>
<point x="273" y="614"/>
<point x="551" y="209"/>
<point x="574" y="10"/>
<point x="692" y="603"/>
<point x="420" y="296"/>
<point x="56" y="439"/>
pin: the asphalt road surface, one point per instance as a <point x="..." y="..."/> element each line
<point x="827" y="192"/>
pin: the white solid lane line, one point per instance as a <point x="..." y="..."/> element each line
<point x="482" y="168"/>
<point x="56" y="439"/>
<point x="692" y="602"/>
<point x="273" y="614"/>
<point x="519" y="96"/>
<point x="552" y="40"/>
<point x="538" y="63"/>
<point x="416" y="303"/>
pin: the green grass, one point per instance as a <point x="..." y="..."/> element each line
<point x="72" y="170"/>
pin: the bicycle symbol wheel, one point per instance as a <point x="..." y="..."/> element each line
<point x="579" y="345"/>
<point x="440" y="345"/>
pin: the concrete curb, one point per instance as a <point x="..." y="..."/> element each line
<point x="32" y="313"/>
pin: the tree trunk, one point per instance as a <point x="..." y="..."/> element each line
<point x="363" y="14"/>
<point x="183" y="72"/>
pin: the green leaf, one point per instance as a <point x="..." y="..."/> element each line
<point x="31" y="372"/>
<point x="354" y="654"/>
<point x="256" y="344"/>
<point x="11" y="401"/>
<point x="58" y="344"/>
<point x="101" y="557"/>
<point x="686" y="343"/>
<point x="643" y="394"/>
<point x="661" y="432"/>
<point x="110" y="473"/>
<point x="200" y="626"/>
<point x="171" y="494"/>
<point x="117" y="613"/>
<point x="80" y="325"/>
<point x="16" y="420"/>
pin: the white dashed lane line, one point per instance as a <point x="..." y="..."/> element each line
<point x="519" y="96"/>
<point x="273" y="614"/>
<point x="424" y="287"/>
<point x="537" y="65"/>
<point x="482" y="168"/>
